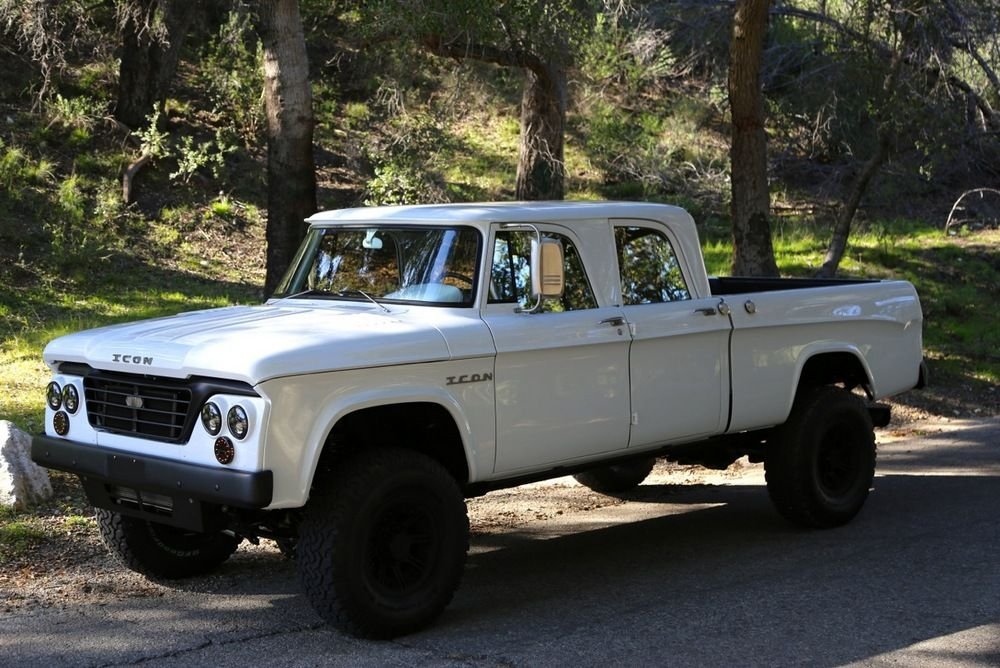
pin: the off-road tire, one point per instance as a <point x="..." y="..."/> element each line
<point x="820" y="464"/>
<point x="383" y="542"/>
<point x="160" y="551"/>
<point x="617" y="478"/>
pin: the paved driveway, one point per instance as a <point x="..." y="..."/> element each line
<point x="704" y="575"/>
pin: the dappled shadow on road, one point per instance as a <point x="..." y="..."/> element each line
<point x="730" y="582"/>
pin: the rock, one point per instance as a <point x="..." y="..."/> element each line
<point x="22" y="481"/>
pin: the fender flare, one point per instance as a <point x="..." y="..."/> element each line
<point x="333" y="413"/>
<point x="817" y="349"/>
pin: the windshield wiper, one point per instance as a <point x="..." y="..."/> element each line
<point x="300" y="294"/>
<point x="348" y="293"/>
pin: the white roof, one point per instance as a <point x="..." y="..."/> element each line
<point x="512" y="212"/>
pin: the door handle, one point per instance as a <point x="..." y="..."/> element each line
<point x="722" y="308"/>
<point x="616" y="321"/>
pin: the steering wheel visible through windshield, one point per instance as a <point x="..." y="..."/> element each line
<point x="393" y="264"/>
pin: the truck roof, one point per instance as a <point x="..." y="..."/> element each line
<point x="507" y="212"/>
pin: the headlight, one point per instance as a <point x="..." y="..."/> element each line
<point x="211" y="418"/>
<point x="239" y="423"/>
<point x="54" y="396"/>
<point x="71" y="398"/>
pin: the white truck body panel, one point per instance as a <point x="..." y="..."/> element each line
<point x="528" y="392"/>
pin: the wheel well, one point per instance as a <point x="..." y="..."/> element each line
<point x="423" y="427"/>
<point x="832" y="369"/>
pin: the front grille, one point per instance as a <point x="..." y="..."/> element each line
<point x="137" y="406"/>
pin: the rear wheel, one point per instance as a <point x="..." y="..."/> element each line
<point x="162" y="551"/>
<point x="382" y="546"/>
<point x="617" y="478"/>
<point x="821" y="462"/>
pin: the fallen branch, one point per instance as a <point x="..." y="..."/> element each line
<point x="954" y="207"/>
<point x="130" y="174"/>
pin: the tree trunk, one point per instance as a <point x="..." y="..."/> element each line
<point x="148" y="64"/>
<point x="845" y="217"/>
<point x="291" y="175"/>
<point x="540" y="166"/>
<point x="753" y="254"/>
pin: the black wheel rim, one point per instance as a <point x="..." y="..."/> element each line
<point x="402" y="549"/>
<point x="839" y="462"/>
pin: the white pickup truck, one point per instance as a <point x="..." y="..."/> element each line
<point x="416" y="356"/>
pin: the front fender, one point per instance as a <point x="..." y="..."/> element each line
<point x="305" y="409"/>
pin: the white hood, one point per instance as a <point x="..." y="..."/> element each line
<point x="254" y="343"/>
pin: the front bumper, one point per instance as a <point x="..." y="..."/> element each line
<point x="163" y="490"/>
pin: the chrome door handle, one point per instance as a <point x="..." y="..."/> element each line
<point x="722" y="308"/>
<point x="616" y="321"/>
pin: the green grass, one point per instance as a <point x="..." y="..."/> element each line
<point x="34" y="315"/>
<point x="19" y="533"/>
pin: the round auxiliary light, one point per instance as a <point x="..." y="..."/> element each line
<point x="211" y="418"/>
<point x="239" y="423"/>
<point x="71" y="398"/>
<point x="60" y="422"/>
<point x="53" y="395"/>
<point x="224" y="450"/>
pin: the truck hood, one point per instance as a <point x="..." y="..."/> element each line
<point x="254" y="343"/>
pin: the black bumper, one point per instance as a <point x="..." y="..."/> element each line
<point x="118" y="481"/>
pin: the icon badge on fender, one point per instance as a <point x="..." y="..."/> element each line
<point x="469" y="378"/>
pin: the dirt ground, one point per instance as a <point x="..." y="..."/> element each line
<point x="72" y="567"/>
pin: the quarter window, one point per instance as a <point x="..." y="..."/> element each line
<point x="649" y="269"/>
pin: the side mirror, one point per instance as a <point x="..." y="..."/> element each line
<point x="547" y="273"/>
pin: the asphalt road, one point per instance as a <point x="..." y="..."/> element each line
<point x="706" y="575"/>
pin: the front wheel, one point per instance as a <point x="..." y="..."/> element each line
<point x="617" y="478"/>
<point x="382" y="545"/>
<point x="821" y="463"/>
<point x="162" y="551"/>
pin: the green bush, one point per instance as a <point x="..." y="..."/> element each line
<point x="230" y="71"/>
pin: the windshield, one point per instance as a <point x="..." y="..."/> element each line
<point x="390" y="264"/>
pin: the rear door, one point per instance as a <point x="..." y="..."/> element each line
<point x="679" y="361"/>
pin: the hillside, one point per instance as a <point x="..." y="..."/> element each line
<point x="647" y="120"/>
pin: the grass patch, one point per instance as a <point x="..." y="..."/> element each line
<point x="18" y="534"/>
<point x="35" y="314"/>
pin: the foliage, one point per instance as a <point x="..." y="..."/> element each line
<point x="551" y="29"/>
<point x="153" y="140"/>
<point x="230" y="71"/>
<point x="191" y="158"/>
<point x="401" y="158"/>
<point x="628" y="54"/>
<point x="80" y="112"/>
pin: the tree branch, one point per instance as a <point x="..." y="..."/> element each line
<point x="486" y="53"/>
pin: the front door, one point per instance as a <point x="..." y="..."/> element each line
<point x="562" y="374"/>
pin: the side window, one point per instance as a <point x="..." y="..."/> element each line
<point x="649" y="267"/>
<point x="510" y="275"/>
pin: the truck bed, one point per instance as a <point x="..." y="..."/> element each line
<point x="738" y="285"/>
